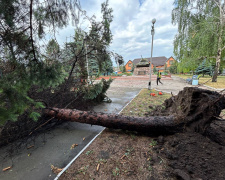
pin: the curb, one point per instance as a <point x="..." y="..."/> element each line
<point x="213" y="88"/>
<point x="130" y="101"/>
<point x="68" y="165"/>
<point x="163" y="91"/>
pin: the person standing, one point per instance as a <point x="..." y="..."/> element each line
<point x="159" y="75"/>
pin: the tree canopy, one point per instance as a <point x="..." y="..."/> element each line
<point x="200" y="33"/>
<point x="25" y="60"/>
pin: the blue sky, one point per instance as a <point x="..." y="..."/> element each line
<point x="131" y="26"/>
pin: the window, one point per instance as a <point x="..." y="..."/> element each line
<point x="171" y="62"/>
<point x="129" y="64"/>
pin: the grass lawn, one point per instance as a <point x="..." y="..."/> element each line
<point x="207" y="80"/>
<point x="140" y="105"/>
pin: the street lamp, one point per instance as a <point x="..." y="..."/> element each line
<point x="152" y="33"/>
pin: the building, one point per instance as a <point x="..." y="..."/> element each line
<point x="129" y="66"/>
<point x="142" y="64"/>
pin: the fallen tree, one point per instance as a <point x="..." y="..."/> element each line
<point x="193" y="109"/>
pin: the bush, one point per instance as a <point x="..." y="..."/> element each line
<point x="128" y="74"/>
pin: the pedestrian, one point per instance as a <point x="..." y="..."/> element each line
<point x="159" y="75"/>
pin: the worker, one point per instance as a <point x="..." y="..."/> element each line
<point x="159" y="75"/>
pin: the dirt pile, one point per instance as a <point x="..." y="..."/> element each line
<point x="193" y="156"/>
<point x="194" y="108"/>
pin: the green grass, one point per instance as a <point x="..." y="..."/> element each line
<point x="207" y="80"/>
<point x="140" y="104"/>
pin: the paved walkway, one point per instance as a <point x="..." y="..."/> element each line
<point x="170" y="84"/>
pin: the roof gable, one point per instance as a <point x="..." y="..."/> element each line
<point x="129" y="62"/>
<point x="171" y="58"/>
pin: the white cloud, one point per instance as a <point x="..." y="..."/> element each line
<point x="131" y="26"/>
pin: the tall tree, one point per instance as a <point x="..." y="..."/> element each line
<point x="201" y="25"/>
<point x="118" y="59"/>
<point x="91" y="48"/>
<point x="107" y="66"/>
<point x="24" y="25"/>
<point x="52" y="51"/>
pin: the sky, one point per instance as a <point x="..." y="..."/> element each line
<point x="131" y="26"/>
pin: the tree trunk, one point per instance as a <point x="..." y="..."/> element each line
<point x="150" y="125"/>
<point x="219" y="51"/>
<point x="193" y="109"/>
<point x="215" y="74"/>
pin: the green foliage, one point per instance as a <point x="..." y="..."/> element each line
<point x="7" y="6"/>
<point x="22" y="58"/>
<point x="97" y="92"/>
<point x="89" y="50"/>
<point x="52" y="49"/>
<point x="173" y="68"/>
<point x="107" y="19"/>
<point x="116" y="172"/>
<point x="154" y="70"/>
<point x="222" y="67"/>
<point x="123" y="69"/>
<point x="127" y="74"/>
<point x="15" y="87"/>
<point x="153" y="143"/>
<point x="26" y="62"/>
<point x="89" y="152"/>
<point x="114" y="74"/>
<point x="204" y="68"/>
<point x="200" y="33"/>
<point x="107" y="65"/>
<point x="132" y="70"/>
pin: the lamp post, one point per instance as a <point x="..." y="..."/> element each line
<point x="152" y="33"/>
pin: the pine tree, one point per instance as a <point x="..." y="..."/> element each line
<point x="204" y="68"/>
<point x="23" y="26"/>
<point x="154" y="69"/>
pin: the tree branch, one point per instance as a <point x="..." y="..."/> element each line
<point x="222" y="48"/>
<point x="218" y="3"/>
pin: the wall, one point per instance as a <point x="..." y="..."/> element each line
<point x="141" y="71"/>
<point x="170" y="60"/>
<point x="129" y="68"/>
